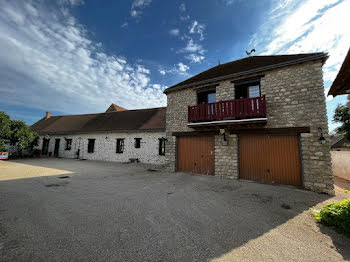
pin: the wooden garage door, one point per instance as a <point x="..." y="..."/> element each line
<point x="270" y="159"/>
<point x="196" y="154"/>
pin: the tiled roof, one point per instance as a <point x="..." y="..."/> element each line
<point x="152" y="119"/>
<point x="114" y="107"/>
<point x="248" y="65"/>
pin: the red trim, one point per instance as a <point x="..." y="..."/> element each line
<point x="231" y="109"/>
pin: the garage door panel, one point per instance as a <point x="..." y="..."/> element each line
<point x="270" y="159"/>
<point x="196" y="154"/>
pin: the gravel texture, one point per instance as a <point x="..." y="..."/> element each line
<point x="107" y="211"/>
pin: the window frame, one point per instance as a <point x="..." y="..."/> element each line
<point x="204" y="92"/>
<point x="161" y="145"/>
<point x="245" y="84"/>
<point x="89" y="150"/>
<point x="122" y="145"/>
<point x="137" y="142"/>
<point x="69" y="142"/>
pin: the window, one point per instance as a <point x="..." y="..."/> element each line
<point x="249" y="88"/>
<point x="137" y="142"/>
<point x="91" y="145"/>
<point x="120" y="145"/>
<point x="206" y="95"/>
<point x="68" y="144"/>
<point x="45" y="148"/>
<point x="161" y="146"/>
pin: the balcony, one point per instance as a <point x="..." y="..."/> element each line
<point x="243" y="110"/>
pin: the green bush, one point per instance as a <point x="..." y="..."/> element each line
<point x="336" y="215"/>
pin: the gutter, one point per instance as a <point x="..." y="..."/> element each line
<point x="253" y="71"/>
<point x="102" y="132"/>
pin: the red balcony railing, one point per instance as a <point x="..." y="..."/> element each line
<point x="231" y="109"/>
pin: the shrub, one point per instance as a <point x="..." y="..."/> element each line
<point x="36" y="152"/>
<point x="336" y="215"/>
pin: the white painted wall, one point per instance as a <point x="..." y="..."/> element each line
<point x="341" y="164"/>
<point x="105" y="146"/>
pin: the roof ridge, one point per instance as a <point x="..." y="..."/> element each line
<point x="108" y="112"/>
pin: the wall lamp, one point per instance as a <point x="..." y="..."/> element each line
<point x="222" y="132"/>
<point x="322" y="140"/>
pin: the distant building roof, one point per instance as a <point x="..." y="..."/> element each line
<point x="245" y="66"/>
<point x="338" y="141"/>
<point x="341" y="84"/>
<point x="152" y="119"/>
<point x="115" y="108"/>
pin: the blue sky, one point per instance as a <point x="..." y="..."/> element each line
<point x="73" y="56"/>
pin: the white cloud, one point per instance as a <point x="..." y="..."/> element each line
<point x="51" y="64"/>
<point x="184" y="17"/>
<point x="192" y="47"/>
<point x="71" y="2"/>
<point x="231" y="2"/>
<point x="125" y="24"/>
<point x="195" y="58"/>
<point x="174" y="32"/>
<point x="197" y="28"/>
<point x="182" y="7"/>
<point x="162" y="72"/>
<point x="138" y="6"/>
<point x="307" y="26"/>
<point x="182" y="67"/>
<point x="328" y="98"/>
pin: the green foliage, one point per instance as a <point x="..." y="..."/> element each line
<point x="342" y="115"/>
<point x="336" y="215"/>
<point x="346" y="191"/>
<point x="17" y="133"/>
<point x="4" y="130"/>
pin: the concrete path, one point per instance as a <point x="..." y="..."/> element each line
<point x="73" y="210"/>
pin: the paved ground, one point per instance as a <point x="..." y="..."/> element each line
<point x="122" y="212"/>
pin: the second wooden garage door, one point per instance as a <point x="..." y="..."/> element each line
<point x="270" y="159"/>
<point x="195" y="154"/>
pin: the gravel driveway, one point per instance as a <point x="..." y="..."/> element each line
<point x="73" y="210"/>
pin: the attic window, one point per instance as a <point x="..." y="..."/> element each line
<point x="137" y="142"/>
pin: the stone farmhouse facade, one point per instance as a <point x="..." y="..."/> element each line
<point x="260" y="118"/>
<point x="117" y="135"/>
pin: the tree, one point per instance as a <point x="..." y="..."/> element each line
<point x="16" y="133"/>
<point x="4" y="130"/>
<point x="342" y="115"/>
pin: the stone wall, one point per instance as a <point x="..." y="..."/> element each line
<point x="226" y="156"/>
<point x="294" y="98"/>
<point x="105" y="147"/>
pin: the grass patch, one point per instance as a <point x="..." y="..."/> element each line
<point x="336" y="215"/>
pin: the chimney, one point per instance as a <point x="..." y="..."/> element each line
<point x="48" y="115"/>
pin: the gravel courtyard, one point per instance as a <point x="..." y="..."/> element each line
<point x="73" y="210"/>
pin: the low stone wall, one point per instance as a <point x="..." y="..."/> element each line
<point x="341" y="164"/>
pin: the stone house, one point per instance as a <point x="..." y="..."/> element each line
<point x="117" y="135"/>
<point x="260" y="118"/>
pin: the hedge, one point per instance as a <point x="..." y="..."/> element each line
<point x="336" y="215"/>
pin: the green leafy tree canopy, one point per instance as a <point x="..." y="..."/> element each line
<point x="16" y="133"/>
<point x="342" y="116"/>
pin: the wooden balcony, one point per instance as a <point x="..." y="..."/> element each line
<point x="237" y="109"/>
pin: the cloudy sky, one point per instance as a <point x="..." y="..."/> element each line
<point x="74" y="56"/>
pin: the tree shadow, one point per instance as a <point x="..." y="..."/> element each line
<point x="156" y="216"/>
